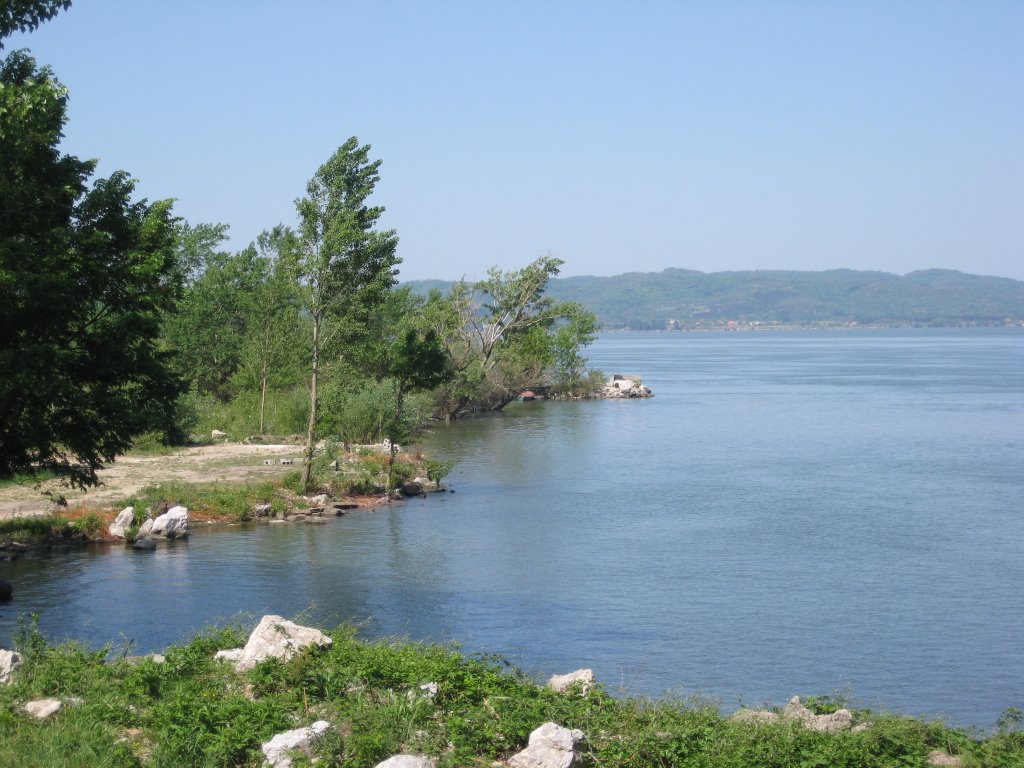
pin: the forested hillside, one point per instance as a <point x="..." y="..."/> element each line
<point x="682" y="298"/>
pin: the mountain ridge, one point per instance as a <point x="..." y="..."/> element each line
<point x="679" y="298"/>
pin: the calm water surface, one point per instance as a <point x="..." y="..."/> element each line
<point x="792" y="513"/>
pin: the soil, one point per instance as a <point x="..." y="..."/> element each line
<point x="223" y="462"/>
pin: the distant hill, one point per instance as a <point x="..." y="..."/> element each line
<point x="684" y="298"/>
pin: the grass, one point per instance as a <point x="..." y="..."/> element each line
<point x="194" y="711"/>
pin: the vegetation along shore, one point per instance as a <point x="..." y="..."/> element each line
<point x="291" y="695"/>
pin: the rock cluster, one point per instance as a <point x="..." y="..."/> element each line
<point x="840" y="720"/>
<point x="621" y="387"/>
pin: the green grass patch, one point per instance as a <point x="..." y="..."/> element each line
<point x="232" y="501"/>
<point x="194" y="711"/>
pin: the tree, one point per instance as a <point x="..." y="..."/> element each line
<point x="26" y="15"/>
<point x="270" y="352"/>
<point x="502" y="335"/>
<point x="85" y="274"/>
<point x="344" y="265"/>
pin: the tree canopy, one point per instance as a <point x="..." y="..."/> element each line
<point x="85" y="275"/>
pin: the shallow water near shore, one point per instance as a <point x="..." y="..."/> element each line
<point x="792" y="513"/>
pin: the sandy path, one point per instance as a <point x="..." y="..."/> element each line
<point x="128" y="475"/>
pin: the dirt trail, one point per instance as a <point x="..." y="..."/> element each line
<point x="224" y="462"/>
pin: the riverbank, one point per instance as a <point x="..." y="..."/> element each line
<point x="382" y="698"/>
<point x="218" y="484"/>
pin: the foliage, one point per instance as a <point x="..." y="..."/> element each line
<point x="439" y="469"/>
<point x="193" y="710"/>
<point x="503" y="335"/>
<point x="26" y="15"/>
<point x="85" y="276"/>
<point x="344" y="265"/>
<point x="232" y="501"/>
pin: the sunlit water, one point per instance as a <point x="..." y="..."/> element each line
<point x="792" y="513"/>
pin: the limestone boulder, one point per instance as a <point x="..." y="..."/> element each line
<point x="278" y="750"/>
<point x="582" y="677"/>
<point x="550" y="746"/>
<point x="172" y="524"/>
<point x="122" y="522"/>
<point x="41" y="709"/>
<point x="9" y="661"/>
<point x="279" y="638"/>
<point x="146" y="529"/>
<point x="407" y="761"/>
<point x="233" y="655"/>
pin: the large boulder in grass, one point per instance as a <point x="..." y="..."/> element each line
<point x="172" y="524"/>
<point x="122" y="522"/>
<point x="277" y="750"/>
<point x="550" y="746"/>
<point x="41" y="709"/>
<point x="279" y="638"/>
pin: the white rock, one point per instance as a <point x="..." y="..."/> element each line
<point x="429" y="690"/>
<point x="217" y="434"/>
<point x="407" y="761"/>
<point x="320" y="500"/>
<point x="43" y="708"/>
<point x="550" y="746"/>
<point x="276" y="750"/>
<point x="145" y="529"/>
<point x="9" y="661"/>
<point x="276" y="636"/>
<point x="938" y="757"/>
<point x="584" y="677"/>
<point x="122" y="522"/>
<point x="234" y="655"/>
<point x="173" y="523"/>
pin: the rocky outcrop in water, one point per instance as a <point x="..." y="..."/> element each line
<point x="621" y="387"/>
<point x="172" y="524"/>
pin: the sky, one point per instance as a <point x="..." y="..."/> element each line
<point x="619" y="137"/>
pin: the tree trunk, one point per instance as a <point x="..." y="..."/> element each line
<point x="307" y="466"/>
<point x="263" y="399"/>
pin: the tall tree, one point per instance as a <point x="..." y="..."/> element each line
<point x="271" y="352"/>
<point x="345" y="265"/>
<point x="85" y="275"/>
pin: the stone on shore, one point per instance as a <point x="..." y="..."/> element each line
<point x="172" y="524"/>
<point x="795" y="711"/>
<point x="301" y="739"/>
<point x="41" y="709"/>
<point x="145" y="529"/>
<point x="145" y="544"/>
<point x="122" y="522"/>
<point x="412" y="487"/>
<point x="582" y="677"/>
<point x="261" y="509"/>
<point x="9" y="661"/>
<point x="550" y="746"/>
<point x="279" y="638"/>
<point x="407" y="761"/>
<point x="939" y="758"/>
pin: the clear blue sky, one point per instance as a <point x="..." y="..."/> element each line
<point x="618" y="136"/>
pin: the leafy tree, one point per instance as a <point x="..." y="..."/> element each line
<point x="209" y="328"/>
<point x="26" y="15"/>
<point x="503" y="334"/>
<point x="344" y="265"/>
<point x="85" y="274"/>
<point x="270" y="355"/>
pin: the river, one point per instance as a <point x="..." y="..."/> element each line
<point x="802" y="512"/>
